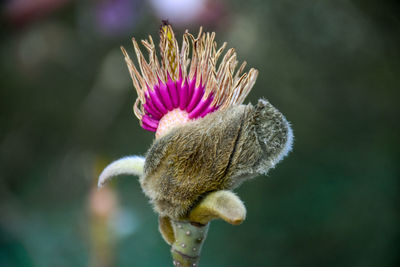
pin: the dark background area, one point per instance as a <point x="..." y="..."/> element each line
<point x="332" y="67"/>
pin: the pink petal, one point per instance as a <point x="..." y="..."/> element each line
<point x="201" y="107"/>
<point x="173" y="92"/>
<point x="157" y="101"/>
<point x="192" y="85"/>
<point x="146" y="119"/>
<point x="209" y="109"/>
<point x="149" y="108"/>
<point x="183" y="95"/>
<point x="148" y="128"/>
<point x="198" y="93"/>
<point x="164" y="96"/>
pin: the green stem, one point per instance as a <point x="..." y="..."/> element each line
<point x="189" y="238"/>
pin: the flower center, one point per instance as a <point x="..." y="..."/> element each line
<point x="171" y="119"/>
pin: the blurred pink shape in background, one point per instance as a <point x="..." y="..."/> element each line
<point x="20" y="12"/>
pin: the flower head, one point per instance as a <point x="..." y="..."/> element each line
<point x="219" y="142"/>
<point x="178" y="89"/>
<point x="207" y="143"/>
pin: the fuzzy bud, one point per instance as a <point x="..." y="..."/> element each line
<point x="217" y="152"/>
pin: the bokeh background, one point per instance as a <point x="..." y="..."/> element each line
<point x="332" y="67"/>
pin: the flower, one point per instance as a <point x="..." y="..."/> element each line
<point x="206" y="140"/>
<point x="207" y="143"/>
<point x="178" y="89"/>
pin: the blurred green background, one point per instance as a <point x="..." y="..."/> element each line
<point x="332" y="67"/>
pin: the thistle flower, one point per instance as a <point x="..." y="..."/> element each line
<point x="178" y="89"/>
<point x="207" y="143"/>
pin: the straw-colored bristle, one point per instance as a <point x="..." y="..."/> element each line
<point x="197" y="85"/>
